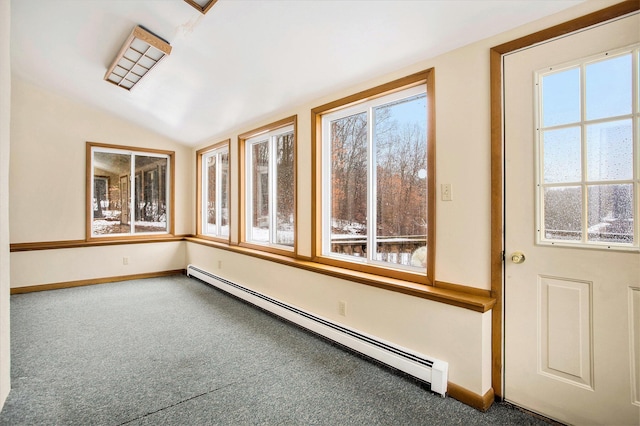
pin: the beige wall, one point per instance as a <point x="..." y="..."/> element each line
<point x="5" y="114"/>
<point x="49" y="134"/>
<point x="78" y="264"/>
<point x="50" y="130"/>
<point x="458" y="336"/>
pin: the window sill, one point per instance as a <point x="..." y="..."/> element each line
<point x="471" y="298"/>
<point x="450" y="294"/>
<point x="52" y="245"/>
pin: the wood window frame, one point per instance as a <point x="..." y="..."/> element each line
<point x="496" y="54"/>
<point x="242" y="219"/>
<point x="89" y="200"/>
<point x="199" y="155"/>
<point x="426" y="77"/>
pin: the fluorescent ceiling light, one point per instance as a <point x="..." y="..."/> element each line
<point x="202" y="5"/>
<point x="139" y="54"/>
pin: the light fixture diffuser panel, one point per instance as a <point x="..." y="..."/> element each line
<point x="202" y="6"/>
<point x="139" y="54"/>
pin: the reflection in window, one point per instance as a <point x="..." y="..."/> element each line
<point x="130" y="192"/>
<point x="587" y="181"/>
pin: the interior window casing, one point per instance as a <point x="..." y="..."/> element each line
<point x="138" y="203"/>
<point x="213" y="177"/>
<point x="268" y="210"/>
<point x="363" y="103"/>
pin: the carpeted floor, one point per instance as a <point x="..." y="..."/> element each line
<point x="174" y="351"/>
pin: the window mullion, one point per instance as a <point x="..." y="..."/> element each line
<point x="583" y="149"/>
<point x="249" y="191"/>
<point x="132" y="195"/>
<point x="635" y="134"/>
<point x="371" y="188"/>
<point x="326" y="185"/>
<point x="218" y="189"/>
<point x="204" y="194"/>
<point x="271" y="185"/>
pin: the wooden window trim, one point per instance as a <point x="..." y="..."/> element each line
<point x="199" y="154"/>
<point x="426" y="77"/>
<point x="89" y="202"/>
<point x="242" y="138"/>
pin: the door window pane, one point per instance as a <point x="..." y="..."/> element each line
<point x="610" y="150"/>
<point x="561" y="98"/>
<point x="563" y="213"/>
<point x="562" y="155"/>
<point x="610" y="210"/>
<point x="608" y="88"/>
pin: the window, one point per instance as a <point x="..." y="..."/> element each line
<point x="129" y="191"/>
<point x="268" y="202"/>
<point x="588" y="152"/>
<point x="374" y="180"/>
<point x="213" y="191"/>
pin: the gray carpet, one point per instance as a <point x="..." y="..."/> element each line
<point x="175" y="351"/>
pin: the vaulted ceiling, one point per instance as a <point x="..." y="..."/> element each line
<point x="244" y="59"/>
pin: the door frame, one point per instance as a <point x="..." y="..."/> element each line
<point x="497" y="164"/>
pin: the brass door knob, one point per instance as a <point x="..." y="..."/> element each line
<point x="517" y="257"/>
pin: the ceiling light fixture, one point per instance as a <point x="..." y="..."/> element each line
<point x="202" y="5"/>
<point x="140" y="52"/>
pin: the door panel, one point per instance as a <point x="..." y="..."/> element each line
<point x="571" y="313"/>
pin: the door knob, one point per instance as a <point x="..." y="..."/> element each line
<point x="517" y="257"/>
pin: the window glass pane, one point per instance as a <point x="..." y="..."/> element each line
<point x="610" y="210"/>
<point x="563" y="213"/>
<point x="111" y="197"/>
<point x="210" y="222"/>
<point x="562" y="151"/>
<point x="224" y="194"/>
<point x="260" y="192"/>
<point x="608" y="87"/>
<point x="561" y="98"/>
<point x="150" y="194"/>
<point x="401" y="186"/>
<point x="349" y="185"/>
<point x="285" y="189"/>
<point x="610" y="151"/>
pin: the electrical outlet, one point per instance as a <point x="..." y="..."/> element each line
<point x="219" y="264"/>
<point x="125" y="260"/>
<point x="447" y="192"/>
<point x="342" y="308"/>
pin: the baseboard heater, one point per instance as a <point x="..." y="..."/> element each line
<point x="417" y="365"/>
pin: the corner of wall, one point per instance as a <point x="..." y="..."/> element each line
<point x="5" y="113"/>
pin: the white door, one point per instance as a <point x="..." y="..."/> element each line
<point x="572" y="197"/>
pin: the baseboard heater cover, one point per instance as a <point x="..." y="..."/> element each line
<point x="430" y="370"/>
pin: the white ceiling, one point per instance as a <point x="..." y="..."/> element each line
<point x="244" y="59"/>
